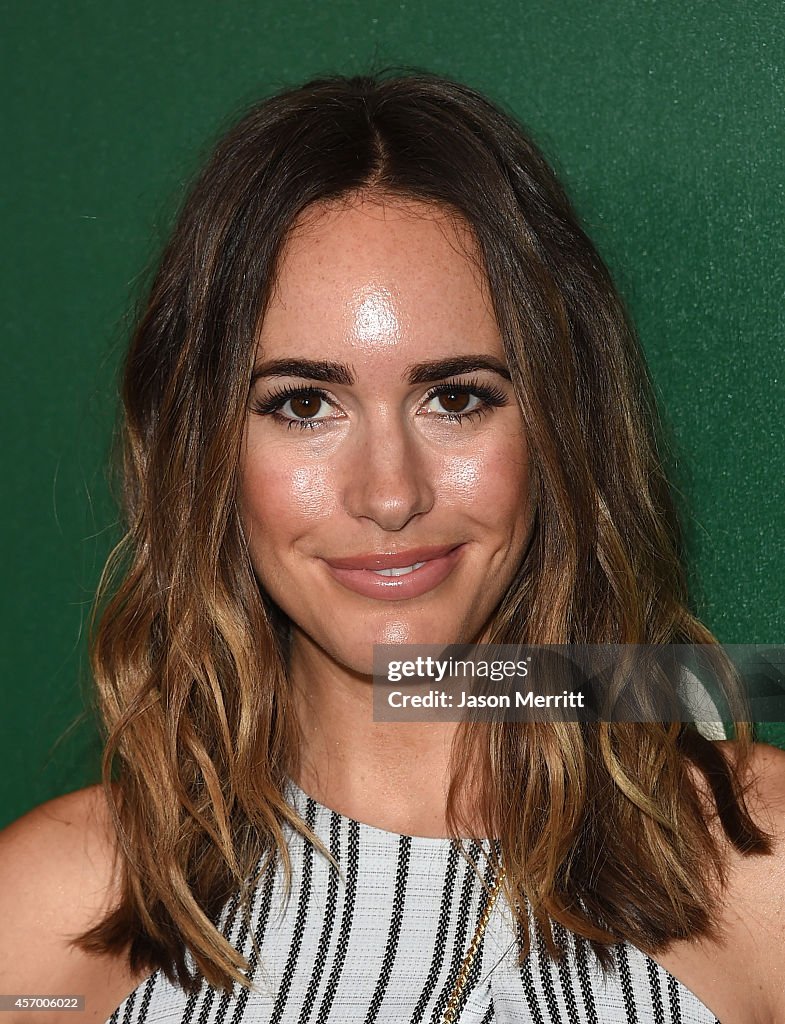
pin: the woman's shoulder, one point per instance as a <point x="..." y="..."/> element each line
<point x="753" y="919"/>
<point x="59" y="876"/>
<point x="61" y="851"/>
<point x="764" y="782"/>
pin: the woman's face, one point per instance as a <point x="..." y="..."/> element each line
<point x="384" y="476"/>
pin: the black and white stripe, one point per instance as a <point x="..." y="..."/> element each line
<point x="383" y="941"/>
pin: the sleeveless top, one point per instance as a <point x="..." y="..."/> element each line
<point x="385" y="941"/>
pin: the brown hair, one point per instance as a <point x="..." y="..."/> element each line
<point x="189" y="655"/>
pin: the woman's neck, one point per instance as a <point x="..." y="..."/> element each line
<point x="392" y="775"/>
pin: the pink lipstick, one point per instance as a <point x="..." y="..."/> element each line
<point x="395" y="576"/>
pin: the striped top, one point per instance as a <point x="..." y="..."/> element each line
<point x="385" y="942"/>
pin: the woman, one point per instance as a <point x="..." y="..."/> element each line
<point x="383" y="391"/>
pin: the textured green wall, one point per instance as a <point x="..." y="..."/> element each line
<point x="665" y="119"/>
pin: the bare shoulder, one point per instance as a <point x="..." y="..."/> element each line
<point x="58" y="878"/>
<point x="765" y="786"/>
<point x="738" y="971"/>
<point x="85" y="808"/>
<point x="756" y="889"/>
<point x="63" y="851"/>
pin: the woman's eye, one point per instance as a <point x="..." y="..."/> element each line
<point x="300" y="407"/>
<point x="454" y="402"/>
<point x="307" y="406"/>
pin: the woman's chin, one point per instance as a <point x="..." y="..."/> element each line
<point x="358" y="654"/>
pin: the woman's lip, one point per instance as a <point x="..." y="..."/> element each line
<point x="392" y="560"/>
<point x="368" y="583"/>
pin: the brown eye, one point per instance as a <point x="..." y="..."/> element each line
<point x="305" y="406"/>
<point x="455" y="401"/>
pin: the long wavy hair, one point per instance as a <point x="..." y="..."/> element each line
<point x="608" y="830"/>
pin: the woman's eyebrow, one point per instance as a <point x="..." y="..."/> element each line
<point x="417" y="373"/>
<point x="313" y="369"/>
<point x="438" y="369"/>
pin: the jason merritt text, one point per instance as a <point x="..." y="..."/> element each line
<point x="444" y="699"/>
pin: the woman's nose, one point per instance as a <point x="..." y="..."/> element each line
<point x="388" y="477"/>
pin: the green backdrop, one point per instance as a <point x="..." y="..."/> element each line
<point x="664" y="118"/>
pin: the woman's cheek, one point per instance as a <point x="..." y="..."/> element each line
<point x="490" y="478"/>
<point x="312" y="491"/>
<point x="278" y="494"/>
<point x="283" y="503"/>
<point x="461" y="479"/>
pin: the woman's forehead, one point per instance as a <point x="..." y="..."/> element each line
<point x="374" y="275"/>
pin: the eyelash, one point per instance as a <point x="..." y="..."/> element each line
<point x="492" y="397"/>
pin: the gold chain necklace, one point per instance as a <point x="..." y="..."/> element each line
<point x="468" y="960"/>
